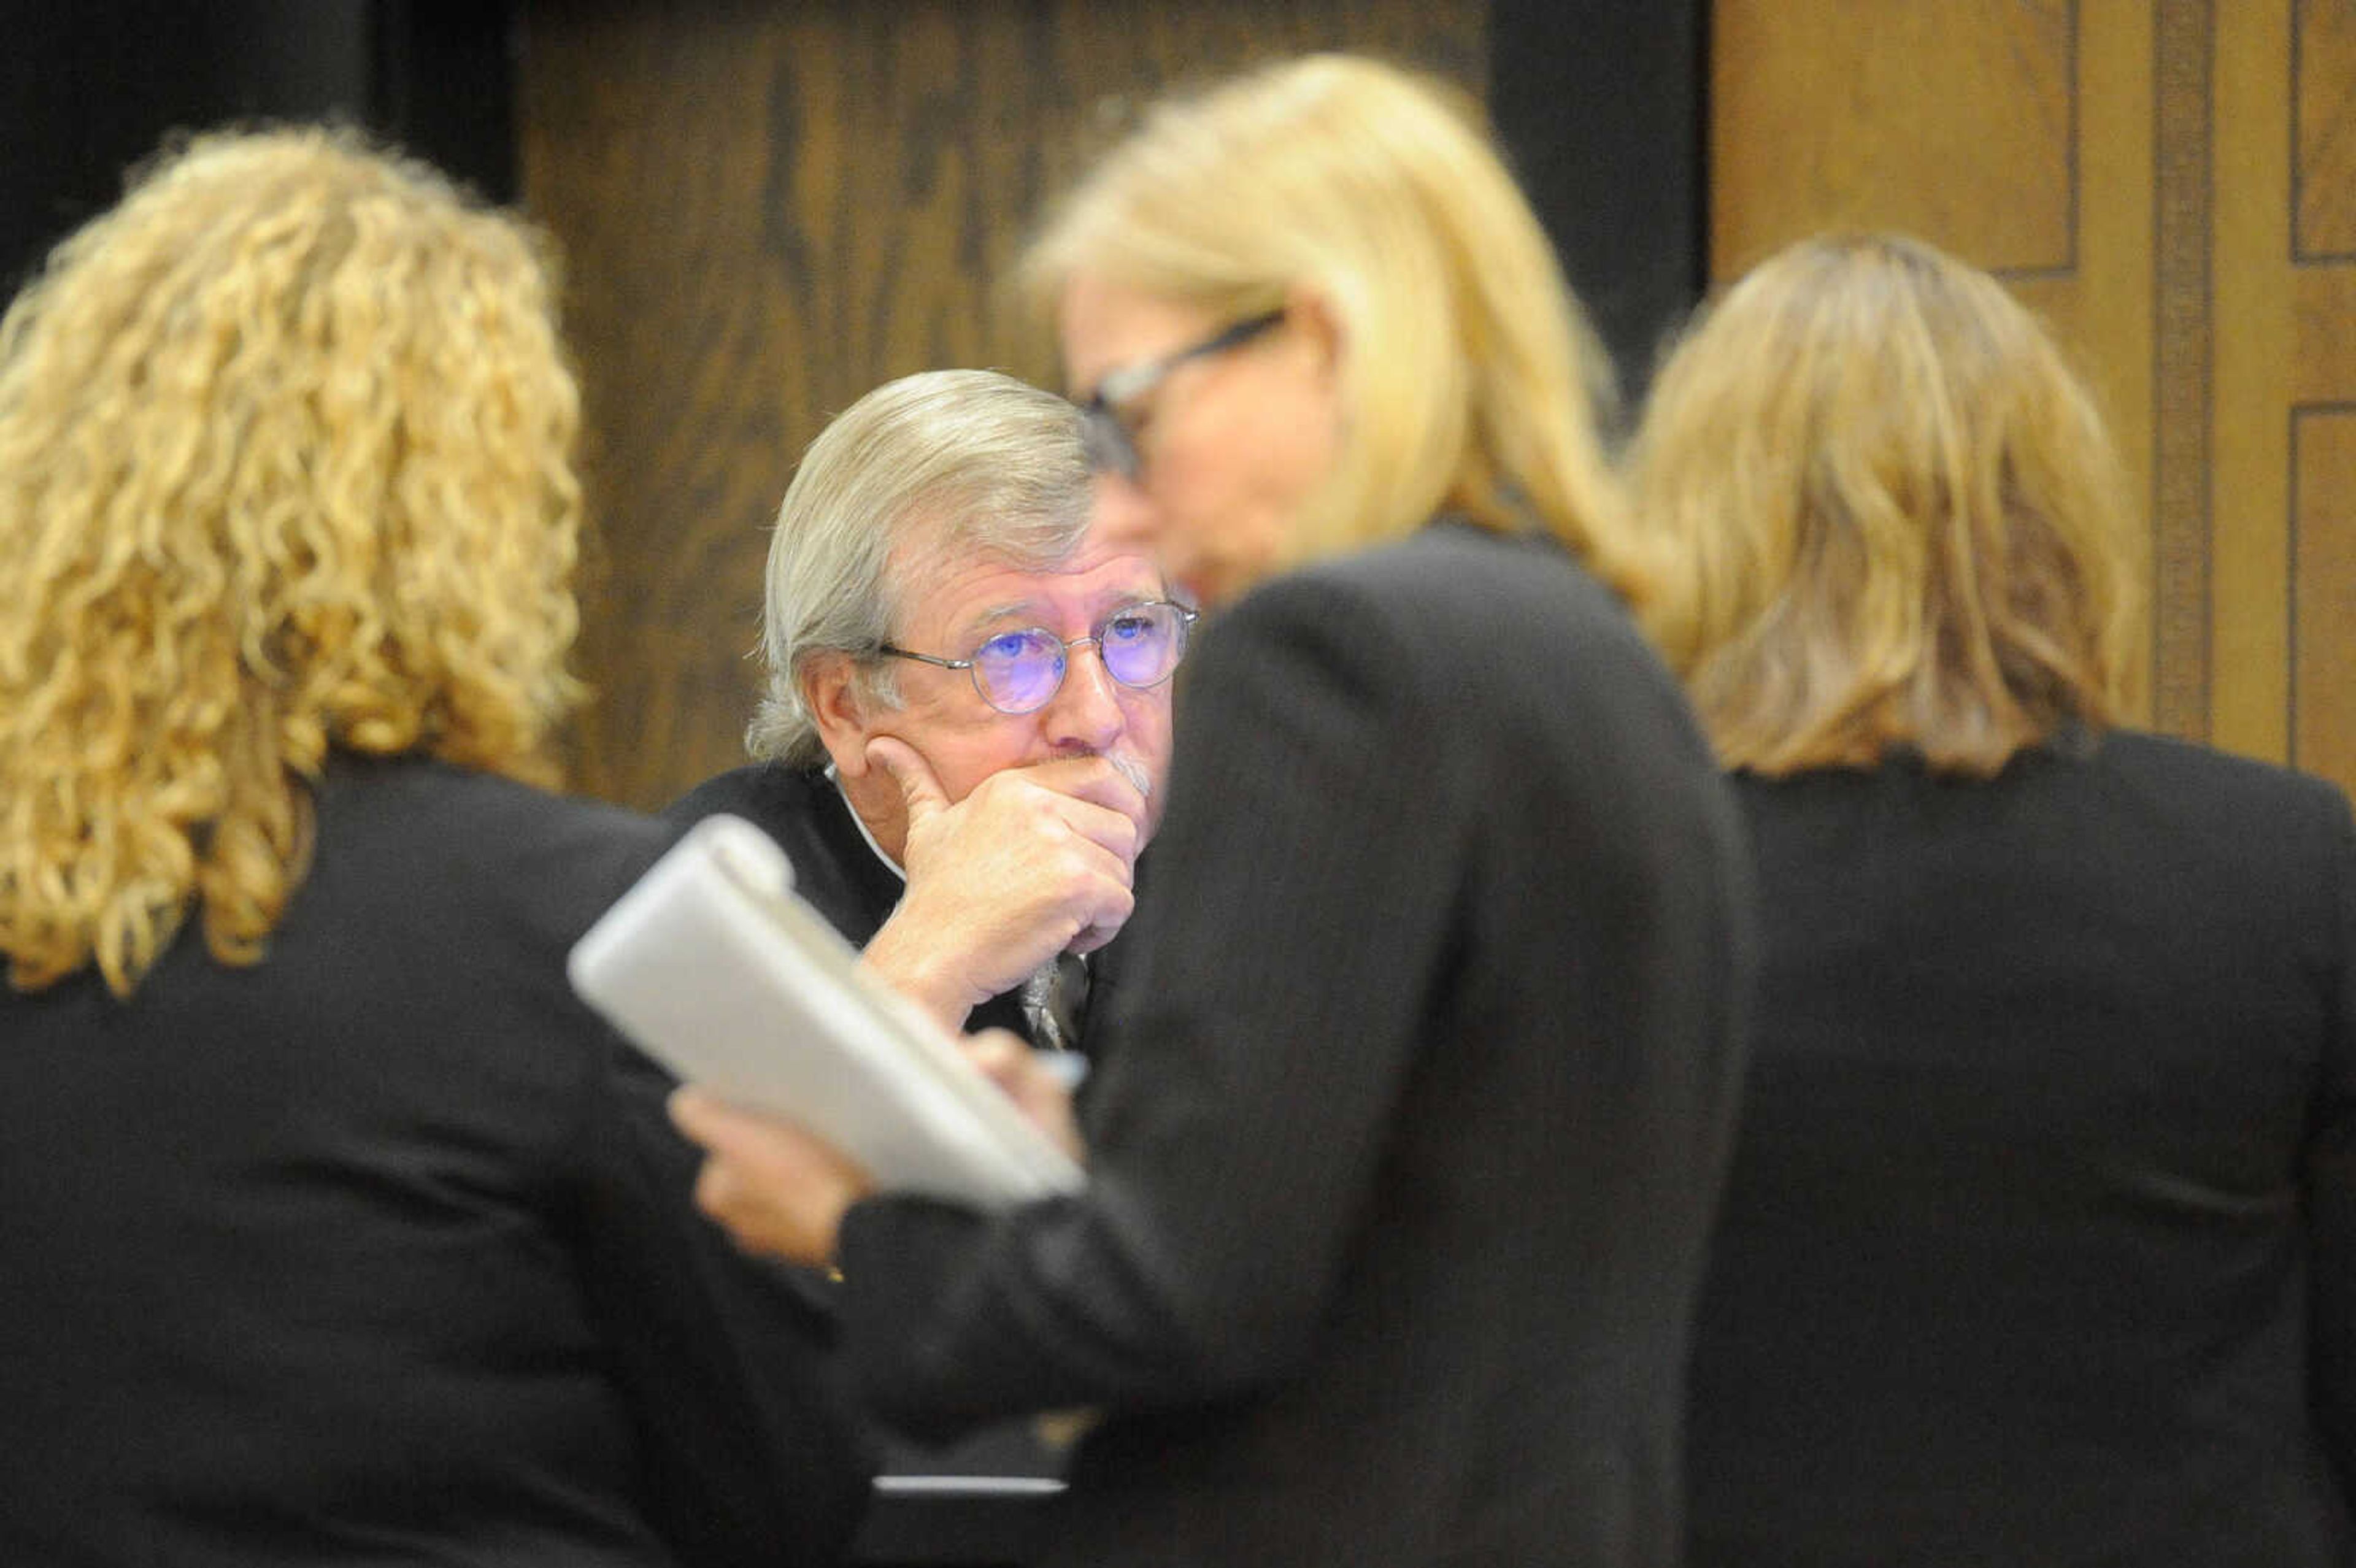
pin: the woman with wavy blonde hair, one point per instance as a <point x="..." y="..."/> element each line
<point x="2039" y="1243"/>
<point x="1898" y="514"/>
<point x="335" y="1227"/>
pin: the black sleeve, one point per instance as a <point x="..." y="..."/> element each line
<point x="1280" y="983"/>
<point x="724" y="792"/>
<point x="727" y="1363"/>
<point x="2330" y="1180"/>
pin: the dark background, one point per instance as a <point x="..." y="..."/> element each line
<point x="768" y="206"/>
<point x="1600" y="104"/>
<point x="94" y="87"/>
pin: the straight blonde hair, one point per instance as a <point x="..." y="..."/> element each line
<point x="1471" y="380"/>
<point x="1894" y="515"/>
<point x="284" y="467"/>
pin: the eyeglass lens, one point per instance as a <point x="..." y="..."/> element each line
<point x="1020" y="672"/>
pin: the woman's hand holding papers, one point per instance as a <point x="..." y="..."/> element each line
<point x="772" y="1186"/>
<point x="780" y="1189"/>
<point x="1032" y="1081"/>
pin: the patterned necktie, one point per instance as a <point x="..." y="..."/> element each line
<point x="1054" y="1000"/>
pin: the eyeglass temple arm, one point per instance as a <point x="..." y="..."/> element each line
<point x="896" y="651"/>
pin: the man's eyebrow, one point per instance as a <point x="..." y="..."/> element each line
<point x="998" y="613"/>
<point x="1114" y="601"/>
<point x="1031" y="613"/>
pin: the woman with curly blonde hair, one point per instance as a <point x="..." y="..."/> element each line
<point x="2039" y="1243"/>
<point x="335" y="1226"/>
<point x="259" y="504"/>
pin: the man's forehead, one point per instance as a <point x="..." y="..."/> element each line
<point x="1054" y="591"/>
<point x="980" y="588"/>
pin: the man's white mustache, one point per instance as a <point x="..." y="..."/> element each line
<point x="1133" y="771"/>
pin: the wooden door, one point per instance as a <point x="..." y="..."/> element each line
<point x="2173" y="183"/>
<point x="767" y="209"/>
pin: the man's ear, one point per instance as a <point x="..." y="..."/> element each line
<point x="840" y="707"/>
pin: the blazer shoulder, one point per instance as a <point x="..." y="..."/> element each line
<point x="1451" y="586"/>
<point x="755" y="790"/>
<point x="2200" y="779"/>
<point x="1478" y="651"/>
<point x="431" y="824"/>
<point x="1447" y="560"/>
<point x="835" y="869"/>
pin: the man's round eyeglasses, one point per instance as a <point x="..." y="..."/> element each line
<point x="1020" y="672"/>
<point x="1109" y="415"/>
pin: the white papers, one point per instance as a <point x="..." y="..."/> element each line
<point x="715" y="968"/>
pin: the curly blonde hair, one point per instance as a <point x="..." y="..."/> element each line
<point x="1894" y="514"/>
<point x="285" y="466"/>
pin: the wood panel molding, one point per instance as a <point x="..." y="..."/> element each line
<point x="1953" y="122"/>
<point x="2323" y="85"/>
<point x="2210" y="286"/>
<point x="2323" y="301"/>
<point x="2103" y="310"/>
<point x="2323" y="602"/>
<point x="2322" y="391"/>
<point x="2180" y="356"/>
<point x="2250" y="454"/>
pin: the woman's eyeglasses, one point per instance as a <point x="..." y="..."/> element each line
<point x="1109" y="415"/>
<point x="1020" y="672"/>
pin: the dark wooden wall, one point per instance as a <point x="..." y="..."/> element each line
<point x="1601" y="104"/>
<point x="768" y="209"/>
<point x="770" y="206"/>
<point x="96" y="85"/>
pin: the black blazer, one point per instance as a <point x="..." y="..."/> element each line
<point x="1408" y="1124"/>
<point x="838" y="872"/>
<point x="382" y="1250"/>
<point x="2037" y="1247"/>
<point x="835" y="869"/>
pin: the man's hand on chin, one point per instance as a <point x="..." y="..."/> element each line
<point x="1035" y="861"/>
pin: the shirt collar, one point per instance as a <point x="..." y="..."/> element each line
<point x="860" y="823"/>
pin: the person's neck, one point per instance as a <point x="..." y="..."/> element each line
<point x="886" y="832"/>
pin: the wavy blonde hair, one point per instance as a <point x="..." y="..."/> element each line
<point x="1471" y="379"/>
<point x="1895" y="515"/>
<point x="285" y="466"/>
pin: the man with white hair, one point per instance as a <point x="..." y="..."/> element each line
<point x="967" y="723"/>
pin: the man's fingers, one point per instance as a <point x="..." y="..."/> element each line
<point x="998" y="884"/>
<point x="1097" y="934"/>
<point x="920" y="792"/>
<point x="1083" y="795"/>
<point x="1036" y="859"/>
<point x="1113" y="783"/>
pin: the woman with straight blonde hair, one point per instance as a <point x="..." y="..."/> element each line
<point x="1407" y="1124"/>
<point x="1338" y="213"/>
<point x="2037" y="1246"/>
<point x="335" y="1229"/>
